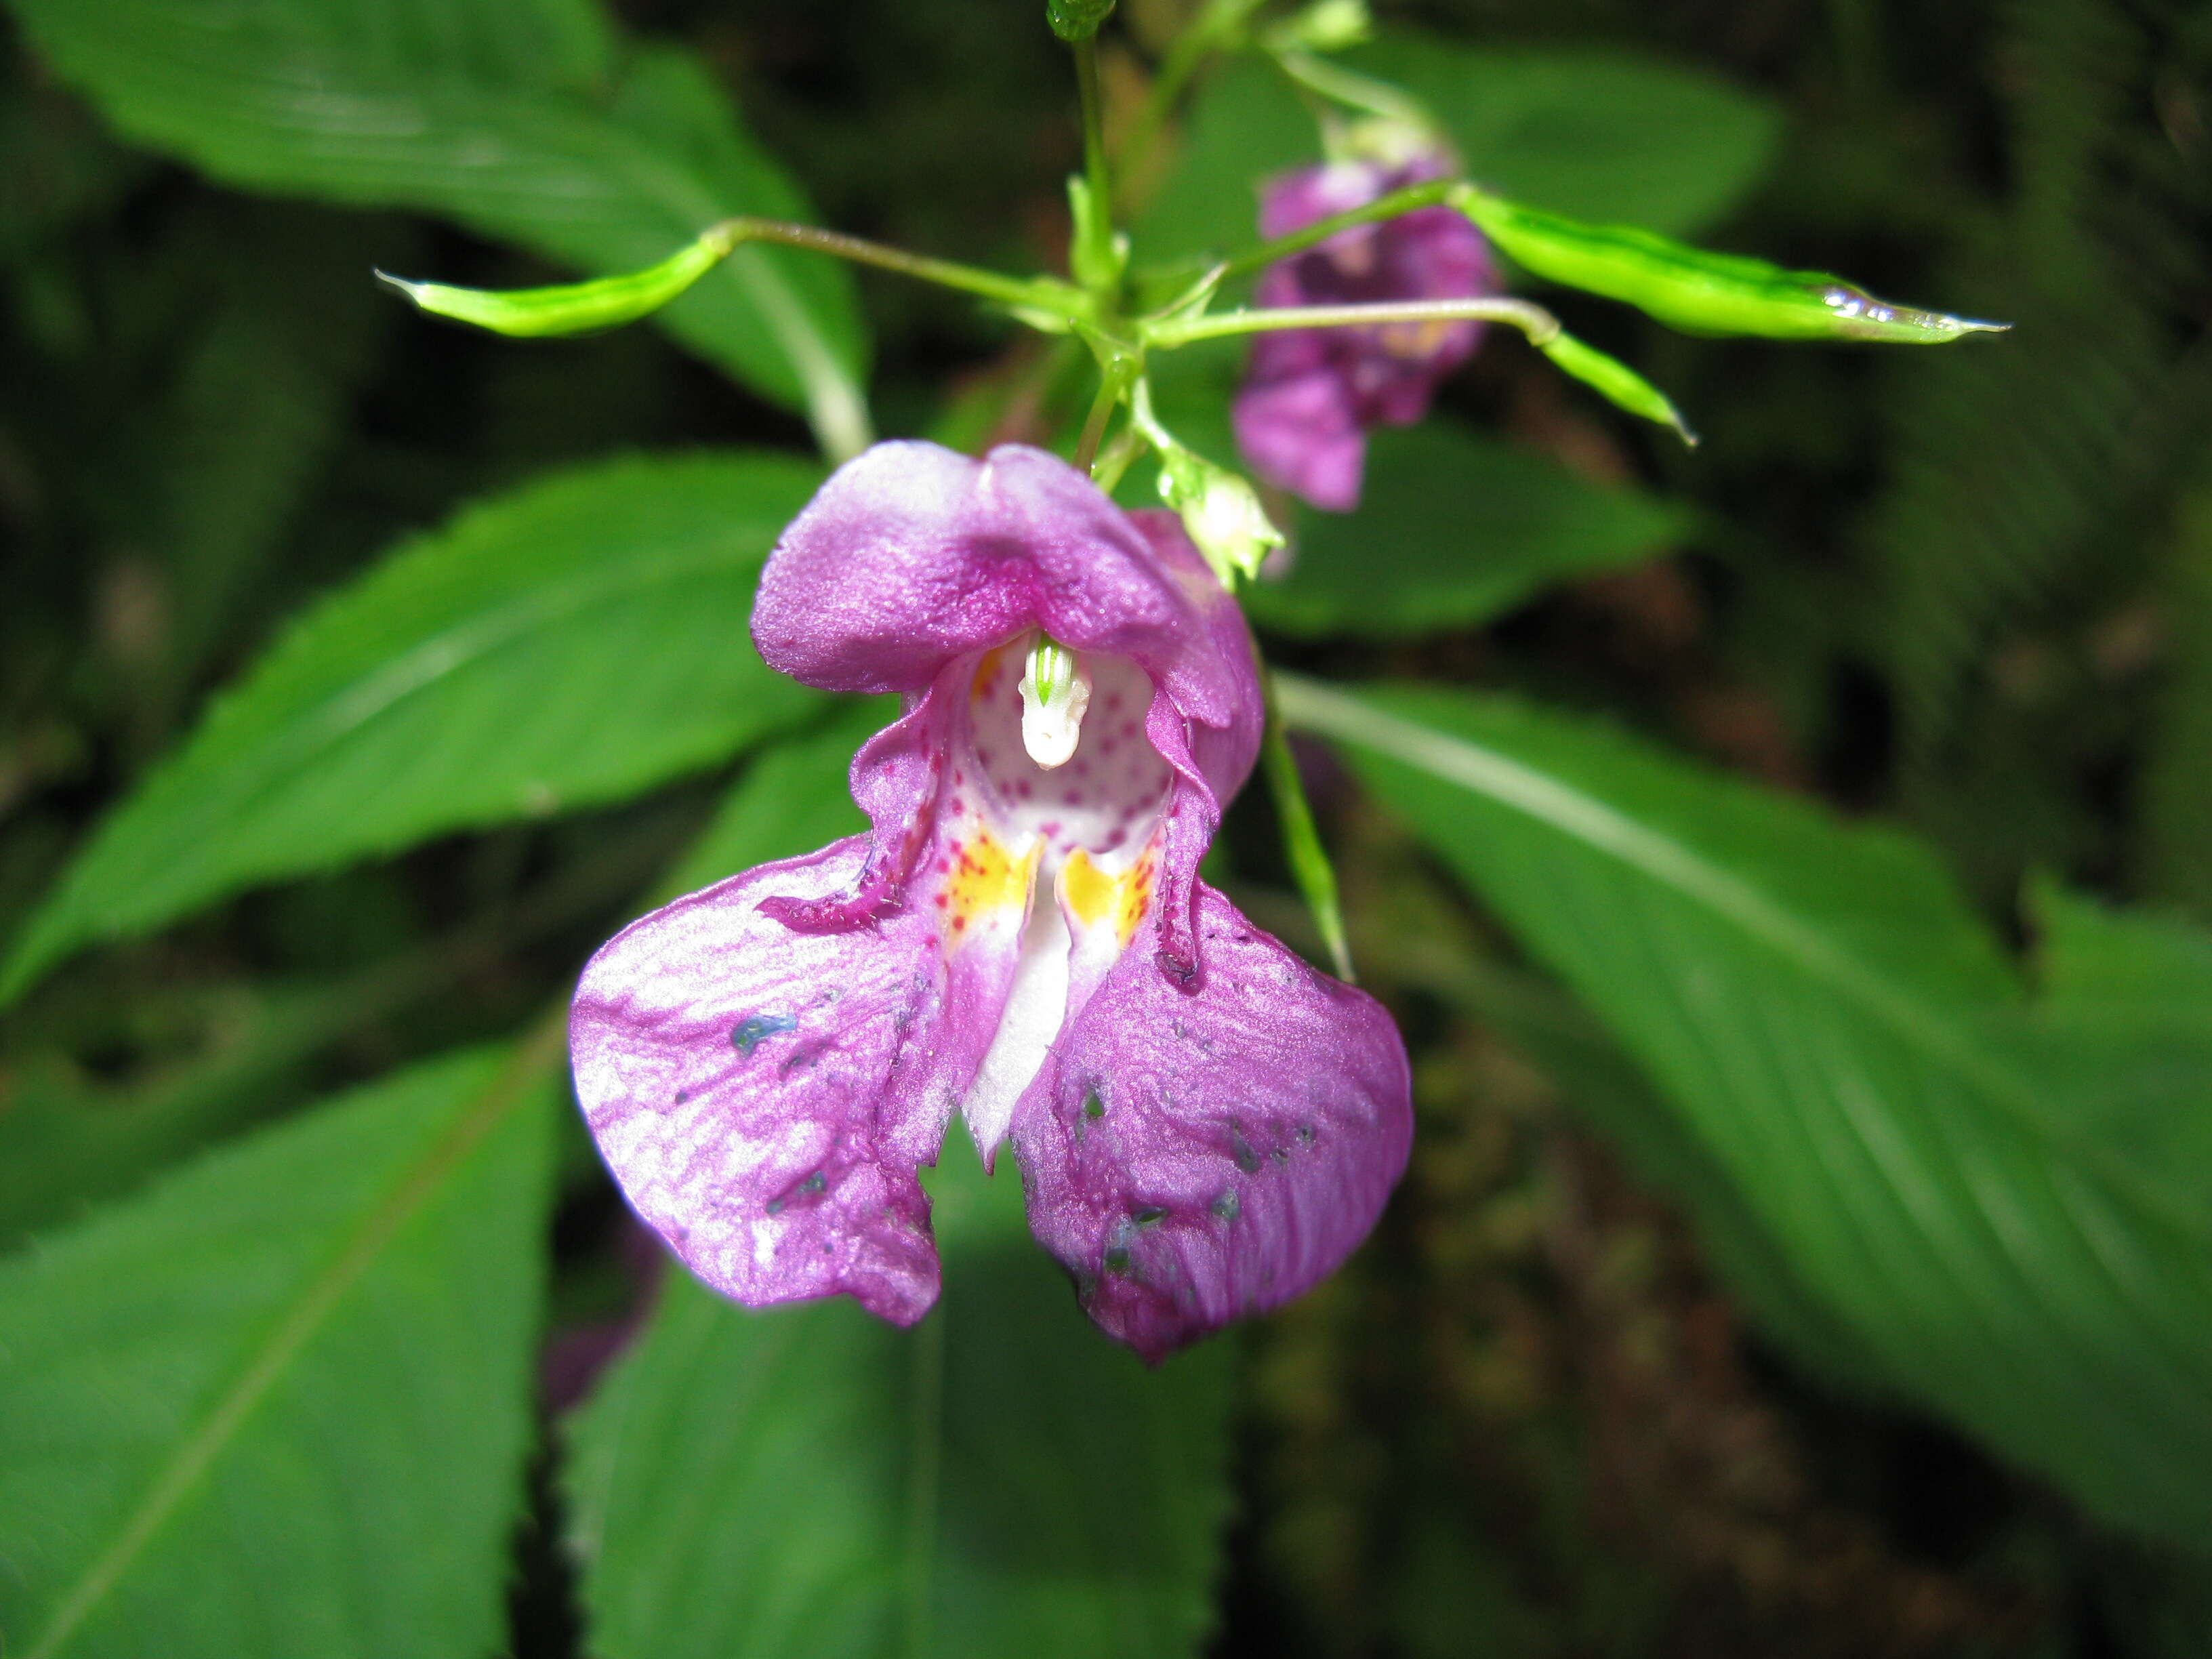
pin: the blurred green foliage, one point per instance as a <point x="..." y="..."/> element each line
<point x="1792" y="1272"/>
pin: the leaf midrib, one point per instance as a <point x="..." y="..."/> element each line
<point x="663" y="179"/>
<point x="1583" y="817"/>
<point x="346" y="706"/>
<point x="266" y="1364"/>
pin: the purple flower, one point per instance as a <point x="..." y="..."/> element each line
<point x="1310" y="395"/>
<point x="1204" y="1125"/>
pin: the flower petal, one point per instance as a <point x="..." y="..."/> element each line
<point x="1309" y="394"/>
<point x="1193" y="1157"/>
<point x="1300" y="434"/>
<point x="763" y="1095"/>
<point x="911" y="555"/>
<point x="909" y="526"/>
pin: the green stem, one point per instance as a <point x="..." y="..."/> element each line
<point x="1114" y="460"/>
<point x="1309" y="865"/>
<point x="1339" y="85"/>
<point x="1036" y="293"/>
<point x="1382" y="207"/>
<point x="1533" y="321"/>
<point x="1101" y="227"/>
<point x="1145" y="423"/>
<point x="1219" y="19"/>
<point x="1094" y="426"/>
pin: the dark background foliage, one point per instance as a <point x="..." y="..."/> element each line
<point x="1967" y="591"/>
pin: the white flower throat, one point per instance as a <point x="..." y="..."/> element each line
<point x="1046" y="842"/>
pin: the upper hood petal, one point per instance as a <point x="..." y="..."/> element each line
<point x="911" y="555"/>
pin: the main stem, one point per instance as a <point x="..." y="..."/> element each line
<point x="1101" y="252"/>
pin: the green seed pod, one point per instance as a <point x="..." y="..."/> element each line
<point x="1616" y="382"/>
<point x="575" y="308"/>
<point x="1702" y="293"/>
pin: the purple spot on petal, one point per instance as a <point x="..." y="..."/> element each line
<point x="1241" y="1150"/>
<point x="1118" y="1246"/>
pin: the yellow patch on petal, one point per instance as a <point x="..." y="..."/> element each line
<point x="986" y="671"/>
<point x="985" y="880"/>
<point x="1096" y="898"/>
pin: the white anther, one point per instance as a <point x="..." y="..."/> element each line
<point x="1055" y="694"/>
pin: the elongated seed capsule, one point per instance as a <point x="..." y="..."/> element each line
<point x="1616" y="382"/>
<point x="574" y="307"/>
<point x="1697" y="292"/>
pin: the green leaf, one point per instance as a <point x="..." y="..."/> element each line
<point x="1601" y="135"/>
<point x="1453" y="529"/>
<point x="68" y="1143"/>
<point x="578" y="640"/>
<point x="1245" y="125"/>
<point x="999" y="1480"/>
<point x="528" y="120"/>
<point x="2177" y="785"/>
<point x="262" y="391"/>
<point x="2125" y="1024"/>
<point x="1604" y="1084"/>
<point x="279" y="1406"/>
<point x="792" y="799"/>
<point x="1702" y="293"/>
<point x="1843" y="1040"/>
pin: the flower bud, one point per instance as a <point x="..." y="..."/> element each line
<point x="1220" y="511"/>
<point x="1076" y="21"/>
<point x="1325" y="26"/>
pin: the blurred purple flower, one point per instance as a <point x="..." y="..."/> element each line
<point x="1310" y="395"/>
<point x="1204" y="1125"/>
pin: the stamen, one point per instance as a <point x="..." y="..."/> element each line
<point x="1055" y="694"/>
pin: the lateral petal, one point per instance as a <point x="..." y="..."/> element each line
<point x="1195" y="1157"/>
<point x="763" y="1095"/>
